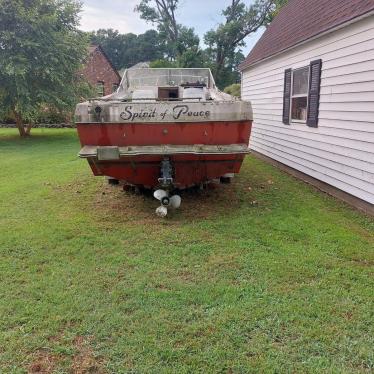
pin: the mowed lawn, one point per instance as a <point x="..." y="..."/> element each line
<point x="266" y="275"/>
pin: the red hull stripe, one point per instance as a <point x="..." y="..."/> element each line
<point x="165" y="133"/>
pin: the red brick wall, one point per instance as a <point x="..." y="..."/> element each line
<point x="98" y="69"/>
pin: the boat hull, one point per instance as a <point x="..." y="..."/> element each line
<point x="133" y="152"/>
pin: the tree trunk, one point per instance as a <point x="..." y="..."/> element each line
<point x="20" y="126"/>
<point x="28" y="128"/>
<point x="220" y="60"/>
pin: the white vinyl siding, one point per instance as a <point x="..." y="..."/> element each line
<point x="340" y="151"/>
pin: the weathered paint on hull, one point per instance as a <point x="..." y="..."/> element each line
<point x="189" y="169"/>
<point x="123" y="134"/>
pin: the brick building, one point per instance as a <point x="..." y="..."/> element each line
<point x="100" y="72"/>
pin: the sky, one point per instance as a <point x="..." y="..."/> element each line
<point x="202" y="15"/>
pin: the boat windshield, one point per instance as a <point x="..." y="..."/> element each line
<point x="174" y="84"/>
<point x="135" y="78"/>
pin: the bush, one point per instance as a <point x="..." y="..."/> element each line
<point x="47" y="115"/>
<point x="163" y="64"/>
<point x="52" y="115"/>
<point x="233" y="89"/>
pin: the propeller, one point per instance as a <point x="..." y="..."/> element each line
<point x="166" y="202"/>
<point x="162" y="211"/>
<point x="175" y="201"/>
<point x="159" y="194"/>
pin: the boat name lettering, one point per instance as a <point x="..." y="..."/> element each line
<point x="129" y="115"/>
<point x="178" y="111"/>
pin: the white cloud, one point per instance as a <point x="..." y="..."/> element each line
<point x="100" y="15"/>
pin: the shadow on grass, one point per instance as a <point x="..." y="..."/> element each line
<point x="38" y="136"/>
<point x="111" y="206"/>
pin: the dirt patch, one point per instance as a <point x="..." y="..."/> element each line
<point x="210" y="203"/>
<point x="44" y="363"/>
<point x="186" y="276"/>
<point x="84" y="361"/>
<point x="362" y="262"/>
<point x="111" y="207"/>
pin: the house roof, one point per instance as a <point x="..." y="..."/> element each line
<point x="301" y="20"/>
<point x="92" y="48"/>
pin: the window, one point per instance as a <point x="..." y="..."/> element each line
<point x="100" y="88"/>
<point x="115" y="87"/>
<point x="299" y="94"/>
<point x="168" y="93"/>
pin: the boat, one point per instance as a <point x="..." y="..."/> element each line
<point x="166" y="130"/>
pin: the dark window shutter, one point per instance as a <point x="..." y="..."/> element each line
<point x="313" y="95"/>
<point x="287" y="96"/>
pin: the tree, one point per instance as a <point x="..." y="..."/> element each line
<point x="115" y="45"/>
<point x="125" y="50"/>
<point x="178" y="38"/>
<point x="161" y="63"/>
<point x="223" y="54"/>
<point x="150" y="46"/>
<point x="277" y="5"/>
<point x="192" y="58"/>
<point x="41" y="52"/>
<point x="224" y="41"/>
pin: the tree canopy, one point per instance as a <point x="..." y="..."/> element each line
<point x="276" y="7"/>
<point x="223" y="44"/>
<point x="125" y="50"/>
<point x="177" y="38"/>
<point x="41" y="52"/>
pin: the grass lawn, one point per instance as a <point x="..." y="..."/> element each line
<point x="91" y="281"/>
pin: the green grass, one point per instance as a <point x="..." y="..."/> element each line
<point x="92" y="282"/>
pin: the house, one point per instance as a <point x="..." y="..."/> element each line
<point x="100" y="72"/>
<point x="310" y="79"/>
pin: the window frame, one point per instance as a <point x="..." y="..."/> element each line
<point x="299" y="95"/>
<point x="102" y="85"/>
<point x="163" y="93"/>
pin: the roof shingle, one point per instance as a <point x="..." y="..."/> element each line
<point x="301" y="20"/>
